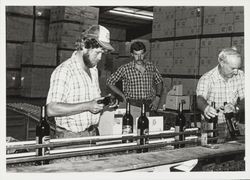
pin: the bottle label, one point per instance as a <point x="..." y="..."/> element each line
<point x="46" y="140"/>
<point x="177" y="130"/>
<point x="210" y="126"/>
<point x="127" y="129"/>
<point x="138" y="134"/>
<point x="143" y="140"/>
<point x="203" y="139"/>
<point x="145" y="132"/>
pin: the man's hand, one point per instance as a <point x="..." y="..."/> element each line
<point x="154" y="105"/>
<point x="210" y="112"/>
<point x="228" y="108"/>
<point x="94" y="107"/>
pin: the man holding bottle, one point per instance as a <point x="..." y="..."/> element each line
<point x="141" y="81"/>
<point x="74" y="93"/>
<point x="224" y="83"/>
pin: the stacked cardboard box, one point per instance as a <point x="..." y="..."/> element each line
<point x="19" y="28"/>
<point x="65" y="34"/>
<point x="116" y="33"/>
<point x="124" y="48"/>
<point x="210" y="48"/>
<point x="186" y="57"/>
<point x="67" y="23"/>
<point x="167" y="84"/>
<point x="116" y="45"/>
<point x="162" y="55"/>
<point x="13" y="55"/>
<point x="63" y="55"/>
<point x="238" y="21"/>
<point x="188" y="20"/>
<point x="189" y="85"/>
<point x="35" y="81"/>
<point x="238" y="42"/>
<point x="41" y="30"/>
<point x="13" y="79"/>
<point x="82" y="14"/>
<point x="39" y="54"/>
<point x="223" y="19"/>
<point x="163" y="22"/>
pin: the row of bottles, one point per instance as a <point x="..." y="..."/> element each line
<point x="142" y="126"/>
<point x="43" y="128"/>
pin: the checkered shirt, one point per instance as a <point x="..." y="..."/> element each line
<point x="70" y="84"/>
<point x="135" y="84"/>
<point x="213" y="87"/>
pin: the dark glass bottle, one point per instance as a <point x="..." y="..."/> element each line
<point x="214" y="121"/>
<point x="143" y="129"/>
<point x="180" y="124"/>
<point x="230" y="126"/>
<point x="127" y="122"/>
<point x="43" y="135"/>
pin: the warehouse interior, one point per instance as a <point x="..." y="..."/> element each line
<point x="182" y="41"/>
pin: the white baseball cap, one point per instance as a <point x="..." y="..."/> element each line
<point x="100" y="34"/>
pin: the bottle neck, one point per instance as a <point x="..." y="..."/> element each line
<point x="213" y="104"/>
<point x="43" y="113"/>
<point x="143" y="110"/>
<point x="128" y="108"/>
<point x="180" y="108"/>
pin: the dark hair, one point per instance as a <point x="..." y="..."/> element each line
<point x="137" y="46"/>
<point x="88" y="43"/>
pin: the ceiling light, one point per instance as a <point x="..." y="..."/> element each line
<point x="133" y="12"/>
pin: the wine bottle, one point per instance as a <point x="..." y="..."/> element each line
<point x="211" y="123"/>
<point x="215" y="120"/>
<point x="143" y="129"/>
<point x="43" y="136"/>
<point x="180" y="124"/>
<point x="127" y="121"/>
<point x="228" y="118"/>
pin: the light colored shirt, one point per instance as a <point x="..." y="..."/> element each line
<point x="69" y="83"/>
<point x="213" y="87"/>
<point x="137" y="85"/>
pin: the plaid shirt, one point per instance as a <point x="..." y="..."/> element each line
<point x="135" y="84"/>
<point x="70" y="84"/>
<point x="213" y="87"/>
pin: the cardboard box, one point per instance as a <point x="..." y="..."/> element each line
<point x="13" y="79"/>
<point x="111" y="122"/>
<point x="35" y="81"/>
<point x="39" y="54"/>
<point x="177" y="90"/>
<point x="25" y="10"/>
<point x="172" y="102"/>
<point x="155" y="123"/>
<point x="73" y="13"/>
<point x="63" y="55"/>
<point x="13" y="55"/>
<point x="19" y="28"/>
<point x="42" y="30"/>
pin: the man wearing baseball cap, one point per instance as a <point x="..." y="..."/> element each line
<point x="74" y="87"/>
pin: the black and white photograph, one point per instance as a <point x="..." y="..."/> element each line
<point x="146" y="90"/>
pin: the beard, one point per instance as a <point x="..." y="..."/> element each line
<point x="87" y="61"/>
